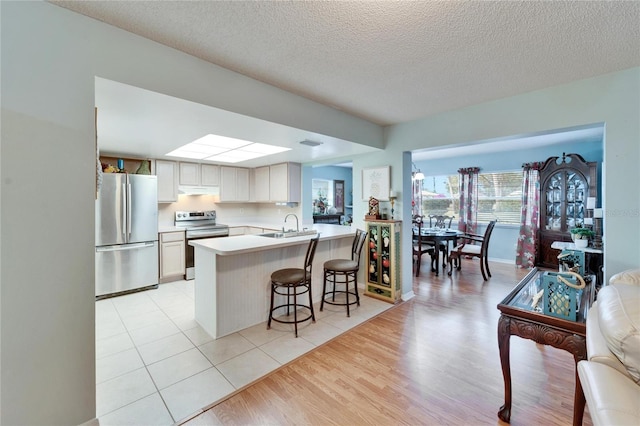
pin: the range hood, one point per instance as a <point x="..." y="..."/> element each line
<point x="198" y="190"/>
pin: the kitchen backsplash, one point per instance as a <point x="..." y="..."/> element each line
<point x="166" y="212"/>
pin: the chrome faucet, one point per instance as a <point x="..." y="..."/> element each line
<point x="285" y="222"/>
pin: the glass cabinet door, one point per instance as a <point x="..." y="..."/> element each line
<point x="554" y="197"/>
<point x="565" y="198"/>
<point x="575" y="199"/>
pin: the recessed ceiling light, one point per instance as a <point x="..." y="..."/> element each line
<point x="225" y="150"/>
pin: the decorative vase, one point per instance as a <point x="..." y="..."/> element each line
<point x="581" y="242"/>
<point x="144" y="168"/>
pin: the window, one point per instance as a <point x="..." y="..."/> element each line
<point x="499" y="196"/>
<point x="440" y="195"/>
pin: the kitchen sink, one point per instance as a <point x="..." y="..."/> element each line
<point x="289" y="234"/>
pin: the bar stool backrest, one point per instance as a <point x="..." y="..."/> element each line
<point x="311" y="251"/>
<point x="358" y="243"/>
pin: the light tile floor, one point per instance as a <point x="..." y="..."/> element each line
<point x="155" y="365"/>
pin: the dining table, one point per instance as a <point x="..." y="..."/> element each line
<point x="436" y="236"/>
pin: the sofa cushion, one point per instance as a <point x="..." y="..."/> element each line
<point x="612" y="398"/>
<point x="619" y="319"/>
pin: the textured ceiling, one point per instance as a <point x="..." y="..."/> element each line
<point x="391" y="62"/>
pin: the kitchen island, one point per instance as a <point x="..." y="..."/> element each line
<point x="232" y="274"/>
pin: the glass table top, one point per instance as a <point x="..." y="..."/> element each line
<point x="528" y="295"/>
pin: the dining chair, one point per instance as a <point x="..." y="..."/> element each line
<point x="473" y="245"/>
<point x="442" y="222"/>
<point x="420" y="246"/>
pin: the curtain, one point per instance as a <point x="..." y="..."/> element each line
<point x="530" y="216"/>
<point x="468" y="214"/>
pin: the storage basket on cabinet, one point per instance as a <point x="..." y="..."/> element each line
<point x="562" y="294"/>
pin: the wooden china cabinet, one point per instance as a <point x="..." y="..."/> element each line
<point x="565" y="184"/>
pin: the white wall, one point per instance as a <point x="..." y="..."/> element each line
<point x="613" y="99"/>
<point x="50" y="57"/>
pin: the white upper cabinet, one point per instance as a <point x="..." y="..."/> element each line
<point x="260" y="184"/>
<point x="234" y="184"/>
<point x="190" y="174"/>
<point x="194" y="174"/>
<point x="285" y="182"/>
<point x="209" y="175"/>
<point x="167" y="173"/>
<point x="268" y="184"/>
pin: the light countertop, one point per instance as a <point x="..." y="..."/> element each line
<point x="561" y="245"/>
<point x="275" y="224"/>
<point x="169" y="228"/>
<point x="251" y="243"/>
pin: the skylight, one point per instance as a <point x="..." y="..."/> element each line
<point x="224" y="150"/>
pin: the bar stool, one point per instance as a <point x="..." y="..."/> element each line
<point x="293" y="282"/>
<point x="346" y="268"/>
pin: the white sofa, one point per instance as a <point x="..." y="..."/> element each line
<point x="610" y="377"/>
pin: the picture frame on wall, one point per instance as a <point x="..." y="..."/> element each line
<point x="338" y="196"/>
<point x="376" y="183"/>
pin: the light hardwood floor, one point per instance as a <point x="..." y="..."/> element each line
<point x="432" y="360"/>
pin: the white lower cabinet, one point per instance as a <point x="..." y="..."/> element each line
<point x="245" y="230"/>
<point x="172" y="256"/>
<point x="236" y="230"/>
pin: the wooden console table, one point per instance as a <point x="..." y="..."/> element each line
<point x="520" y="319"/>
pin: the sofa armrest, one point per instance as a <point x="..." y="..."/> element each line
<point x="597" y="348"/>
<point x="612" y="398"/>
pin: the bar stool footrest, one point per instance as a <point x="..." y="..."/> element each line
<point x="292" y="321"/>
<point x="329" y="295"/>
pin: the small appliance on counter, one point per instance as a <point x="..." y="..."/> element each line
<point x="126" y="234"/>
<point x="198" y="225"/>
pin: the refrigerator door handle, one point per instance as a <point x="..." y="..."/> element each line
<point x="128" y="211"/>
<point x="124" y="213"/>
<point x="124" y="247"/>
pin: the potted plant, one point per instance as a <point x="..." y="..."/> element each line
<point x="581" y="236"/>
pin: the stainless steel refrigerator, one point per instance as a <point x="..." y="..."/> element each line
<point x="126" y="233"/>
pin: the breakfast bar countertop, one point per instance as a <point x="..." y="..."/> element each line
<point x="251" y="243"/>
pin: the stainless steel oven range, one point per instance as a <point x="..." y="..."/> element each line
<point x="198" y="225"/>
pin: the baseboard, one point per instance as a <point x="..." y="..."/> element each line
<point x="170" y="279"/>
<point x="408" y="296"/>
<point x="507" y="261"/>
